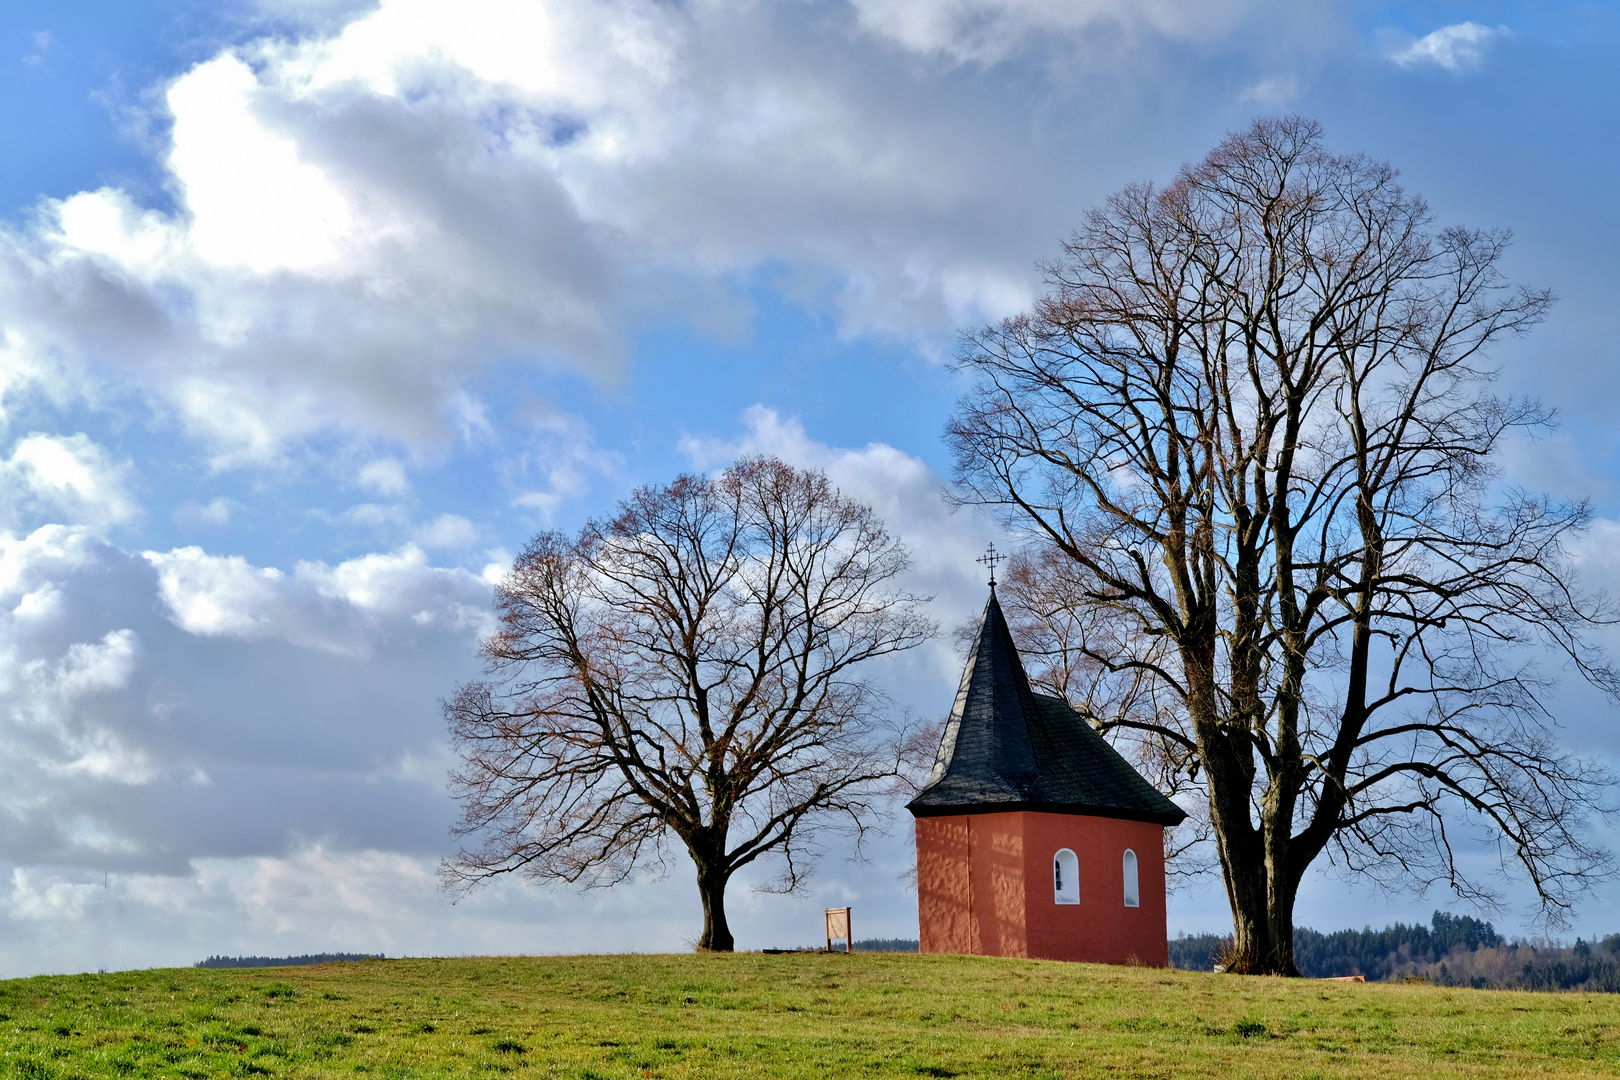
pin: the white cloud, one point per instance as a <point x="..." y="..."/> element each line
<point x="290" y="297"/>
<point x="1271" y="93"/>
<point x="254" y="202"/>
<point x="337" y="609"/>
<point x="988" y="31"/>
<point x="353" y="890"/>
<point x="36" y="896"/>
<point x="46" y="697"/>
<point x="87" y="668"/>
<point x="324" y="896"/>
<point x="33" y="564"/>
<point x="559" y="451"/>
<point x="447" y="531"/>
<point x="60" y="720"/>
<point x="499" y="565"/>
<point x="381" y="201"/>
<point x="1457" y="48"/>
<point x="1596" y="553"/>
<point x="397" y="583"/>
<point x="215" y="595"/>
<point x="59" y="700"/>
<point x="107" y="223"/>
<point x="43" y="43"/>
<point x="385" y="476"/>
<point x="376" y="517"/>
<point x="899" y="486"/>
<point x="587" y="56"/>
<point x="214" y="514"/>
<point x="70" y="476"/>
<point x="23" y="368"/>
<point x="320" y="897"/>
<point x="266" y="707"/>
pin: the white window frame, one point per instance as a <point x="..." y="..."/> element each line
<point x="1065" y="863"/>
<point x="1133" y="880"/>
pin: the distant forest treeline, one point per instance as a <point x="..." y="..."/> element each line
<point x="1451" y="951"/>
<point x="285" y="961"/>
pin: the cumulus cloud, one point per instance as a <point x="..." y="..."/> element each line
<point x="336" y="265"/>
<point x="255" y="203"/>
<point x="223" y="595"/>
<point x="65" y="697"/>
<point x="323" y="896"/>
<point x="44" y="701"/>
<point x="31" y="566"/>
<point x="69" y="477"/>
<point x="379" y="203"/>
<point x="319" y="897"/>
<point x="87" y="668"/>
<point x="1596" y="553"/>
<point x="65" y="702"/>
<point x="332" y="608"/>
<point x="1457" y="48"/>
<point x="244" y="711"/>
<point x="902" y="488"/>
<point x="36" y="897"/>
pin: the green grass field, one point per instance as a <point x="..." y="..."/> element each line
<point x="795" y="1015"/>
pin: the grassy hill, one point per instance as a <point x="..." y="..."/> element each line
<point x="793" y="1015"/>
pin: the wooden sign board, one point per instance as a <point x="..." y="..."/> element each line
<point x="838" y="924"/>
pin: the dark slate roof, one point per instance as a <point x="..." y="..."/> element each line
<point x="1008" y="748"/>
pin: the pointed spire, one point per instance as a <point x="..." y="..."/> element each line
<point x="987" y="735"/>
<point x="1007" y="748"/>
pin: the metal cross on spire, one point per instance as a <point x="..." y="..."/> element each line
<point x="991" y="558"/>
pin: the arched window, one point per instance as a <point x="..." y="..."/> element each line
<point x="1133" y="895"/>
<point x="1065" y="878"/>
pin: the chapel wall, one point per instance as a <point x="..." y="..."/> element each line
<point x="985" y="887"/>
<point x="1100" y="929"/>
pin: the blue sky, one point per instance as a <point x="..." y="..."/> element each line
<point x="312" y="312"/>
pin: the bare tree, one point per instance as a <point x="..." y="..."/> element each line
<point x="686" y="669"/>
<point x="1252" y="422"/>
<point x="1060" y="636"/>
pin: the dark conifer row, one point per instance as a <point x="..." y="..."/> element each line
<point x="284" y="961"/>
<point x="886" y="944"/>
<point x="1454" y="950"/>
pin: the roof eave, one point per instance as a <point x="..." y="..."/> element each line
<point x="1126" y="813"/>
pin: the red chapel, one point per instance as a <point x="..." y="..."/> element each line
<point x="1035" y="838"/>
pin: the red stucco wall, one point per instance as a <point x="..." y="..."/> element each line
<point x="984" y="885"/>
<point x="945" y="921"/>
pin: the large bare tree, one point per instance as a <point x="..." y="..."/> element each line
<point x="686" y="669"/>
<point x="1251" y="432"/>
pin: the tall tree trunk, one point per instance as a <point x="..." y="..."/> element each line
<point x="1262" y="881"/>
<point x="1263" y="934"/>
<point x="1228" y="757"/>
<point x="1254" y="947"/>
<point x="1280" y="923"/>
<point x="1251" y="938"/>
<point x="716" y="932"/>
<point x="1262" y="924"/>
